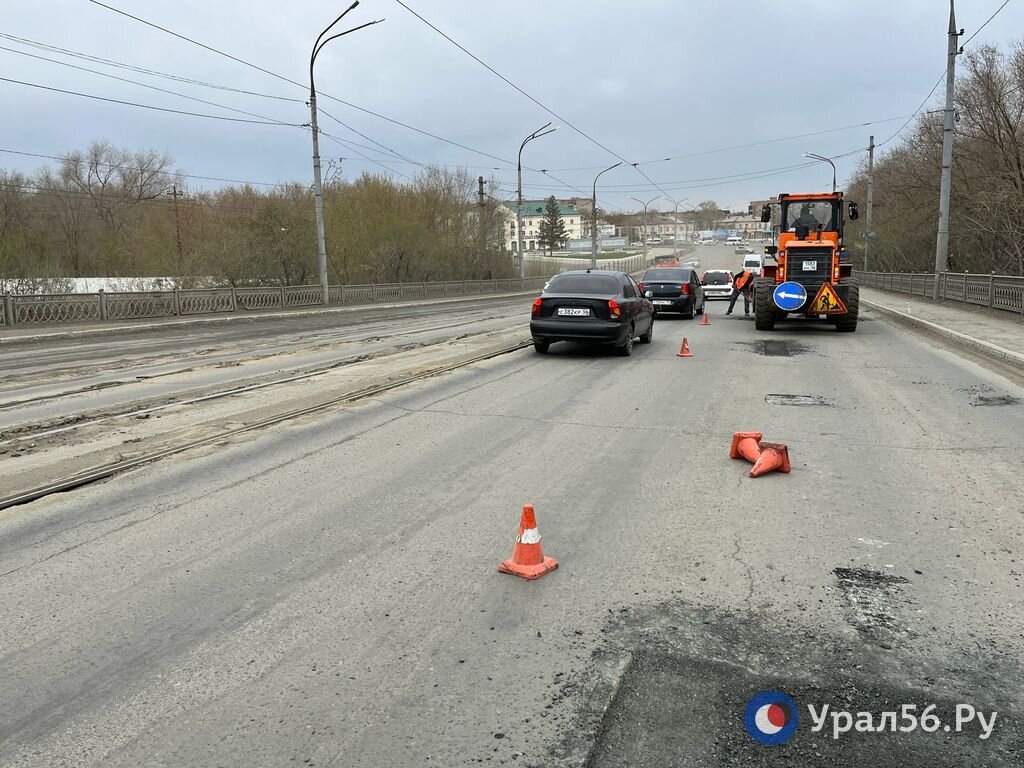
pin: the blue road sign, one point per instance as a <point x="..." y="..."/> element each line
<point x="789" y="297"/>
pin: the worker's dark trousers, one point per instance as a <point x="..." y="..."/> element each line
<point x="746" y="301"/>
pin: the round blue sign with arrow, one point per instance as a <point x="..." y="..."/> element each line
<point x="789" y="297"/>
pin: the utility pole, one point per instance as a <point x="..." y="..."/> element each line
<point x="318" y="191"/>
<point x="942" y="240"/>
<point x="177" y="229"/>
<point x="544" y="130"/>
<point x="593" y="212"/>
<point x="481" y="202"/>
<point x="645" y="220"/>
<point x="871" y="190"/>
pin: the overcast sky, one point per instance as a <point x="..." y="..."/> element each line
<point x="648" y="79"/>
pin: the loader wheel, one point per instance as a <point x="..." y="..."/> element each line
<point x="848" y="323"/>
<point x="764" y="317"/>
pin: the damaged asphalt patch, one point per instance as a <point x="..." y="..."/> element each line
<point x="670" y="683"/>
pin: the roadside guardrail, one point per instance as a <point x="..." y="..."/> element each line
<point x="41" y="309"/>
<point x="1005" y="292"/>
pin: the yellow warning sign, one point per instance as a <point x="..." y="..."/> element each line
<point x="827" y="302"/>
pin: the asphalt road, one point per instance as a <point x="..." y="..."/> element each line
<point x="327" y="593"/>
<point x="54" y="379"/>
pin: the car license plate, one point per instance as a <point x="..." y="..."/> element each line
<point x="574" y="311"/>
<point x="662" y="302"/>
<point x="810" y="266"/>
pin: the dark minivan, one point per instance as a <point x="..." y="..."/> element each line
<point x="674" y="290"/>
<point x="592" y="306"/>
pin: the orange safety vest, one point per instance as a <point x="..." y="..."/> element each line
<point x="742" y="280"/>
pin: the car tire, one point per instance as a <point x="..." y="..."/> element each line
<point x="626" y="349"/>
<point x="541" y="347"/>
<point x="700" y="310"/>
<point x="648" y="337"/>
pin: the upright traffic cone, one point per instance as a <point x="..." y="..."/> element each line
<point x="774" y="458"/>
<point x="684" y="350"/>
<point x="746" y="445"/>
<point x="528" y="558"/>
<point x="704" y="319"/>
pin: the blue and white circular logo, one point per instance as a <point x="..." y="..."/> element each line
<point x="771" y="718"/>
<point x="789" y="296"/>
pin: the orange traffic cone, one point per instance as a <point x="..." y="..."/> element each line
<point x="528" y="558"/>
<point x="684" y="350"/>
<point x="705" y="320"/>
<point x="746" y="445"/>
<point x="774" y="458"/>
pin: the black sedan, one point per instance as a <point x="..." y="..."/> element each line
<point x="674" y="290"/>
<point x="592" y="306"/>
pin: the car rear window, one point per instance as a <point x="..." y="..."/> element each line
<point x="668" y="275"/>
<point x="752" y="263"/>
<point x="716" y="278"/>
<point x="600" y="284"/>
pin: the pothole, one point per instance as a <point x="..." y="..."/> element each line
<point x="995" y="400"/>
<point x="872" y="600"/>
<point x="786" y="399"/>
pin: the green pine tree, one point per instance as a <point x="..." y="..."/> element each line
<point x="552" y="229"/>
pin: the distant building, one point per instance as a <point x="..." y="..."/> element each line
<point x="534" y="212"/>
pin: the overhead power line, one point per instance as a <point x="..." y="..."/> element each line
<point x="148" y="106"/>
<point x="136" y="82"/>
<point x="1007" y="2"/>
<point x="141" y="70"/>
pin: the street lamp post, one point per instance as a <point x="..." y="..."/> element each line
<point x="675" y="224"/>
<point x="521" y="242"/>
<point x="824" y="160"/>
<point x="645" y="220"/>
<point x="593" y="217"/>
<point x="318" y="192"/>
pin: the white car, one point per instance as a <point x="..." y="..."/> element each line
<point x="717" y="284"/>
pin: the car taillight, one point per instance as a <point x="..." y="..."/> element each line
<point x="684" y="290"/>
<point x="641" y="287"/>
<point x="613" y="309"/>
<point x="535" y="311"/>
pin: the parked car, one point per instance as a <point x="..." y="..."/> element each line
<point x="674" y="290"/>
<point x="592" y="306"/>
<point x="717" y="284"/>
<point x="637" y="244"/>
<point x="743" y="250"/>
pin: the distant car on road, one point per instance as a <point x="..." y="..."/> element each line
<point x="717" y="284"/>
<point x="592" y="306"/>
<point x="637" y="244"/>
<point x="753" y="264"/>
<point x="674" y="290"/>
<point x="743" y="249"/>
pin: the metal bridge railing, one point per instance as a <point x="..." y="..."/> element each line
<point x="1004" y="292"/>
<point x="136" y="305"/>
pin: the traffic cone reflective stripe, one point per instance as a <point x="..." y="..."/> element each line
<point x="684" y="350"/>
<point x="774" y="458"/>
<point x="746" y="445"/>
<point x="528" y="558"/>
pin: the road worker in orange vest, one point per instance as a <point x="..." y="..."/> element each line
<point x="742" y="282"/>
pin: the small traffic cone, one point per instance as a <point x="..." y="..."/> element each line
<point x="774" y="458"/>
<point x="746" y="445"/>
<point x="684" y="350"/>
<point x="704" y="319"/>
<point x="528" y="558"/>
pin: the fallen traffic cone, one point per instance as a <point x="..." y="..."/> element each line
<point x="705" y="320"/>
<point x="528" y="558"/>
<point x="774" y="458"/>
<point x="746" y="445"/>
<point x="684" y="351"/>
